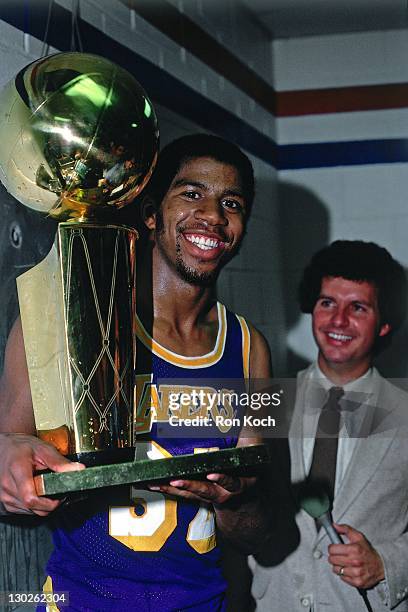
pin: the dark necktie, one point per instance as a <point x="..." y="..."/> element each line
<point x="323" y="468"/>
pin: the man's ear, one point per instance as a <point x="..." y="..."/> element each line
<point x="384" y="330"/>
<point x="149" y="213"/>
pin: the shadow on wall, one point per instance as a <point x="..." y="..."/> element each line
<point x="304" y="229"/>
<point x="393" y="360"/>
<point x="26" y="237"/>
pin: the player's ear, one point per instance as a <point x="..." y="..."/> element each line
<point x="149" y="212"/>
<point x="384" y="330"/>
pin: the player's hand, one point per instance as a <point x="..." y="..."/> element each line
<point x="20" y="456"/>
<point x="362" y="565"/>
<point x="217" y="489"/>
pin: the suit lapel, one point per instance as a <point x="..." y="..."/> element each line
<point x="296" y="430"/>
<point x="367" y="456"/>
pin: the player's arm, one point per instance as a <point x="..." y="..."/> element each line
<point x="241" y="517"/>
<point x="16" y="413"/>
<point x="21" y="452"/>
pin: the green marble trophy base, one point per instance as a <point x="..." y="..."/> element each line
<point x="184" y="466"/>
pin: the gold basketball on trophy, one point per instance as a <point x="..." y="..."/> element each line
<point x="79" y="135"/>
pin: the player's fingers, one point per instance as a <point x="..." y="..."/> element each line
<point x="46" y="456"/>
<point x="193" y="489"/>
<point x="70" y="466"/>
<point x="175" y="492"/>
<point x="23" y="494"/>
<point x="30" y="505"/>
<point x="203" y="489"/>
<point x="233" y="484"/>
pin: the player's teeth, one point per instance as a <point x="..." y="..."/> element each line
<point x="202" y="242"/>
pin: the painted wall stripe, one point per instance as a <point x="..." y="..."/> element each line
<point x="352" y="153"/>
<point x="341" y="100"/>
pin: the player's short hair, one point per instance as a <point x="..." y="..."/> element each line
<point x="190" y="147"/>
<point x="358" y="261"/>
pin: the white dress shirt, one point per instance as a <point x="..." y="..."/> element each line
<point x="357" y="393"/>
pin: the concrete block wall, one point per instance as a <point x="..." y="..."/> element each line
<point x="356" y="197"/>
<point x="235" y="28"/>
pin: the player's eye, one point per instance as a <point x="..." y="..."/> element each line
<point x="233" y="205"/>
<point x="191" y="195"/>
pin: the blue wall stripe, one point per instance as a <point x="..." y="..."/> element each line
<point x="351" y="153"/>
<point x="175" y="95"/>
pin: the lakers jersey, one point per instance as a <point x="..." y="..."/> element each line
<point x="156" y="553"/>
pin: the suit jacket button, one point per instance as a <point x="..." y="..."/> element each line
<point x="317" y="554"/>
<point x="305" y="601"/>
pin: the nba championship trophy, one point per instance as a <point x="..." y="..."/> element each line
<point x="79" y="141"/>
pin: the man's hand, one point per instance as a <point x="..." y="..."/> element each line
<point x="20" y="456"/>
<point x="357" y="563"/>
<point x="218" y="489"/>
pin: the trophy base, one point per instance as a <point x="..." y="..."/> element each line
<point x="194" y="467"/>
<point x="104" y="457"/>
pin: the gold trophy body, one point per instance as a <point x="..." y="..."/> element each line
<point x="80" y="142"/>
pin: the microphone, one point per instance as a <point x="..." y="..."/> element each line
<point x="317" y="505"/>
<point x="319" y="509"/>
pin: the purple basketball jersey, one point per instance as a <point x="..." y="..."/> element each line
<point x="156" y="553"/>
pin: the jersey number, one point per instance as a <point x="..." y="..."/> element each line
<point x="148" y="524"/>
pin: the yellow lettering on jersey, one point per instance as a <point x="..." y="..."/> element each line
<point x="167" y="394"/>
<point x="147" y="402"/>
<point x="185" y="402"/>
<point x="182" y="401"/>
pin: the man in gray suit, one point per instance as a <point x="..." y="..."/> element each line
<point x="356" y="294"/>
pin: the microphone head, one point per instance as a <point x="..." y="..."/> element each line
<point x="315" y="503"/>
